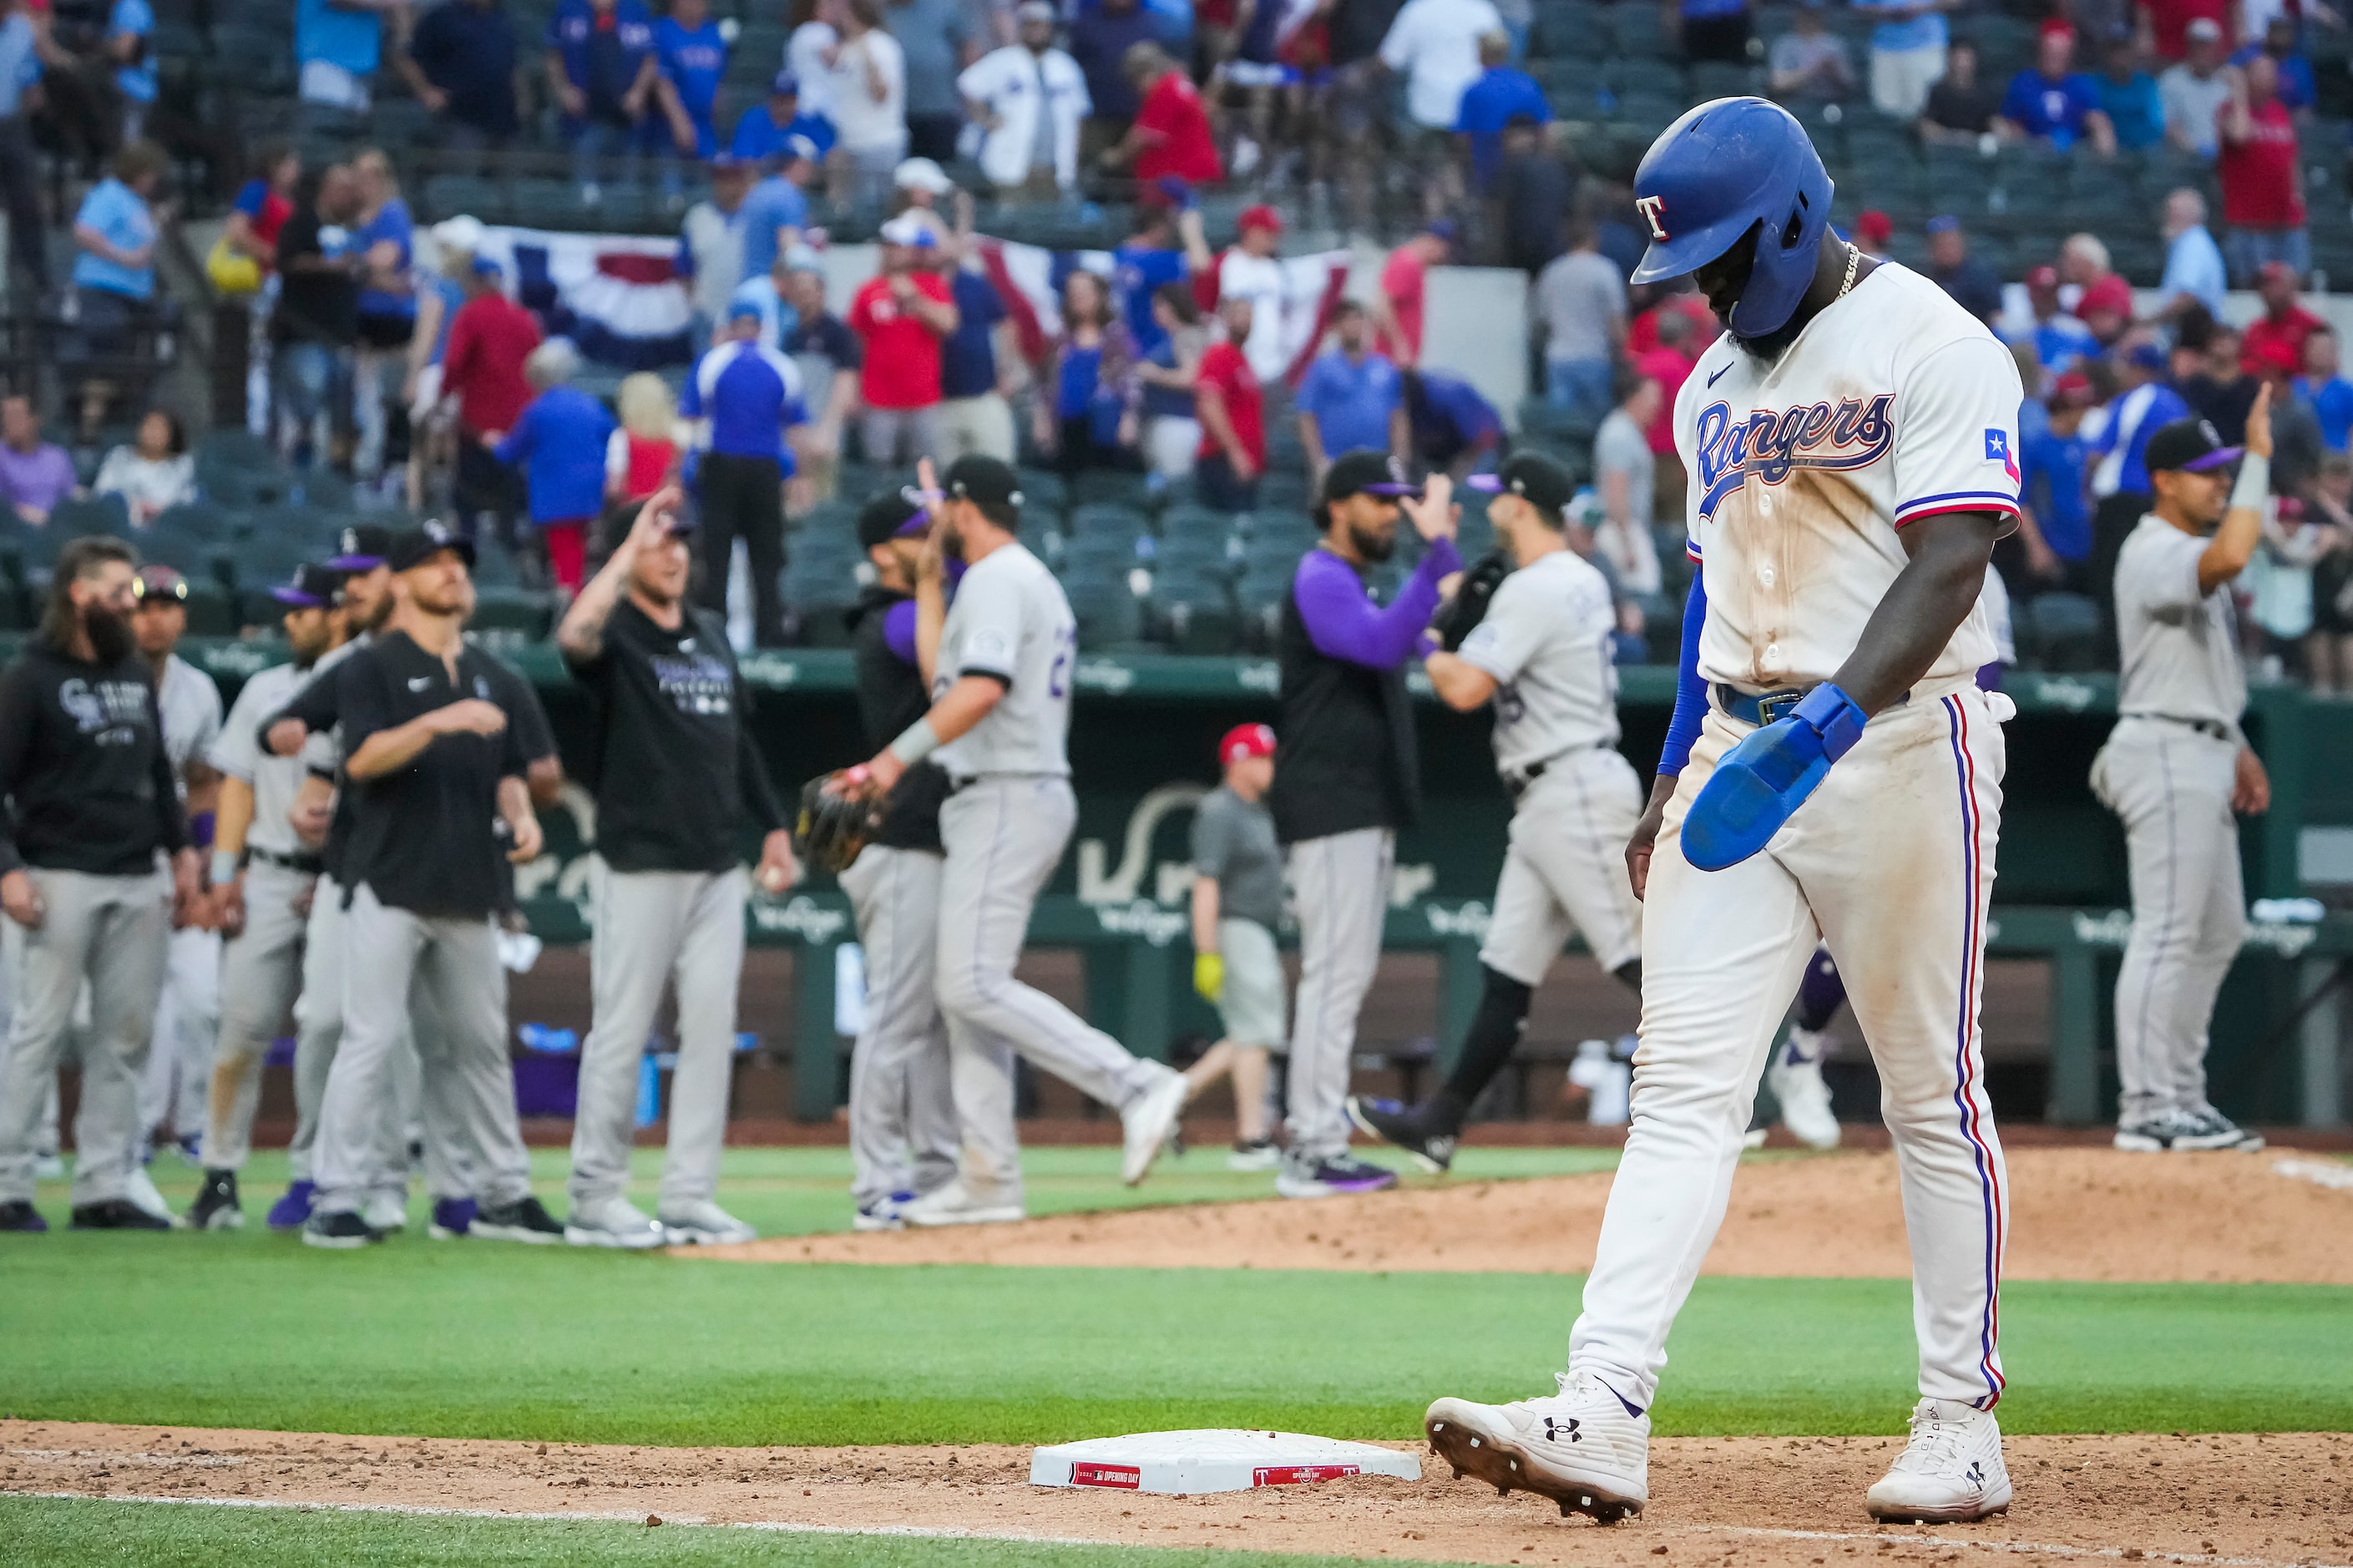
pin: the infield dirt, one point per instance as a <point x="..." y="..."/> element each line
<point x="1773" y="1502"/>
<point x="2089" y="1215"/>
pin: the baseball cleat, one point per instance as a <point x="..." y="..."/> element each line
<point x="955" y="1204"/>
<point x="453" y="1218"/>
<point x="386" y="1212"/>
<point x="343" y="1231"/>
<point x="524" y="1220"/>
<point x="1584" y="1447"/>
<point x="612" y="1222"/>
<point x="1330" y="1178"/>
<point x="1148" y="1119"/>
<point x="886" y="1213"/>
<point x="1794" y="1076"/>
<point x="216" y="1207"/>
<point x="138" y="1191"/>
<point x="22" y="1217"/>
<point x="2148" y="1136"/>
<point x="1407" y="1126"/>
<point x="2209" y="1129"/>
<point x="699" y="1222"/>
<point x="1951" y="1471"/>
<point x="293" y="1210"/>
<point x="117" y="1213"/>
<point x="1259" y="1155"/>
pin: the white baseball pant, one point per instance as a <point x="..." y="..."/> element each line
<point x="902" y="1114"/>
<point x="1340" y="882"/>
<point x="450" y="964"/>
<point x="261" y="975"/>
<point x="110" y="932"/>
<point x="654" y="928"/>
<point x="2172" y="786"/>
<point x="1566" y="867"/>
<point x="1005" y="835"/>
<point x="1892" y="862"/>
<point x="187" y="1030"/>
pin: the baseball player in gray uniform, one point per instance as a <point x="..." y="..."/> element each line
<point x="998" y="723"/>
<point x="1541" y="655"/>
<point x="2176" y="767"/>
<point x="262" y="879"/>
<point x="187" y="1019"/>
<point x="1237" y="909"/>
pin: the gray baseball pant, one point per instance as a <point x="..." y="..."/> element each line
<point x="261" y="975"/>
<point x="902" y="1114"/>
<point x="110" y="932"/>
<point x="1342" y="885"/>
<point x="1005" y="835"/>
<point x="653" y="927"/>
<point x="2172" y="786"/>
<point x="186" y="1033"/>
<point x="319" y="1033"/>
<point x="451" y="964"/>
<point x="1565" y="869"/>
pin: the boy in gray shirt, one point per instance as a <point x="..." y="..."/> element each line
<point x="1237" y="905"/>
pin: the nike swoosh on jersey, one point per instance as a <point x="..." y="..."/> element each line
<point x="1718" y="376"/>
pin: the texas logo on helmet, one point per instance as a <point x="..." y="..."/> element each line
<point x="1726" y="167"/>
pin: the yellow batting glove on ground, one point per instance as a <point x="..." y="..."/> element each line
<point x="1209" y="975"/>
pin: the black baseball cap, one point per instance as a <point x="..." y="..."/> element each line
<point x="1367" y="472"/>
<point x="988" y="480"/>
<point x="891" y="515"/>
<point x="1534" y="477"/>
<point x="2190" y="445"/>
<point x="312" y="587"/>
<point x="360" y="547"/>
<point x="415" y="546"/>
<point x="158" y="581"/>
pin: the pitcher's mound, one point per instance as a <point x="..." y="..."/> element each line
<point x="2077" y="1214"/>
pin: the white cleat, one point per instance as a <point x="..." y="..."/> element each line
<point x="1794" y="1076"/>
<point x="1950" y="1473"/>
<point x="139" y="1190"/>
<point x="613" y="1221"/>
<point x="1584" y="1447"/>
<point x="699" y="1222"/>
<point x="1148" y="1119"/>
<point x="955" y="1204"/>
<point x="386" y="1214"/>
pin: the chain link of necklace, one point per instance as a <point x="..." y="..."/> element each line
<point x="1854" y="260"/>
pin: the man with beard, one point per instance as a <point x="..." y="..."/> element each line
<point x="1350" y="778"/>
<point x="1852" y="442"/>
<point x="90" y="799"/>
<point x="263" y="877"/>
<point x="679" y="776"/>
<point x="999" y="722"/>
<point x="436" y="766"/>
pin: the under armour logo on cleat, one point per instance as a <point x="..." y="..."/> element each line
<point x="1561" y="1431"/>
<point x="1974" y="1474"/>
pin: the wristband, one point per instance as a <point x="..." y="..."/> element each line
<point x="1835" y="716"/>
<point x="1429" y="642"/>
<point x="200" y="830"/>
<point x="2254" y="485"/>
<point x="224" y="868"/>
<point x="916" y="742"/>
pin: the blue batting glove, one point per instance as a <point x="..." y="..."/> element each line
<point x="1761" y="782"/>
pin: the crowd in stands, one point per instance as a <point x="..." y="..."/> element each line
<point x="365" y="342"/>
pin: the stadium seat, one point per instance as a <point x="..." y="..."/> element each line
<point x="521" y="613"/>
<point x="76" y="517"/>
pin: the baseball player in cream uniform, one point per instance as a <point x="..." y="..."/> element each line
<point x="998" y="725"/>
<point x="1851" y="443"/>
<point x="2175" y="768"/>
<point x="262" y="877"/>
<point x="1541" y="655"/>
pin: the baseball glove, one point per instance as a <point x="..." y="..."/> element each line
<point x="833" y="826"/>
<point x="1460" y="615"/>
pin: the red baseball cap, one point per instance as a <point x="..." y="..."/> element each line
<point x="1245" y="741"/>
<point x="1873" y="228"/>
<point x="2110" y="294"/>
<point x="1261" y="216"/>
<point x="2270" y="354"/>
<point x="2043" y="280"/>
<point x="2073" y="390"/>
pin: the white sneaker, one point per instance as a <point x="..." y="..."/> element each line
<point x="1149" y="1118"/>
<point x="386" y="1213"/>
<point x="699" y="1222"/>
<point x="2208" y="1128"/>
<point x="886" y="1213"/>
<point x="1794" y="1076"/>
<point x="1950" y="1472"/>
<point x="1584" y="1447"/>
<point x="140" y="1192"/>
<point x="956" y="1204"/>
<point x="612" y="1222"/>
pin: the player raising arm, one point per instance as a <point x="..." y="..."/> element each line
<point x="1850" y="441"/>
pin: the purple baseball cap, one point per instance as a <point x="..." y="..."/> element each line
<point x="360" y="547"/>
<point x="312" y="587"/>
<point x="2189" y="445"/>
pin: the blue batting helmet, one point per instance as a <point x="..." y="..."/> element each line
<point x="1724" y="168"/>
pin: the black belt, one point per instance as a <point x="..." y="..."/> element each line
<point x="1516" y="784"/>
<point x="307" y="865"/>
<point x="1765" y="708"/>
<point x="2214" y="729"/>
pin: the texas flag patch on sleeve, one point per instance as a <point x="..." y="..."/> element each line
<point x="1998" y="451"/>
